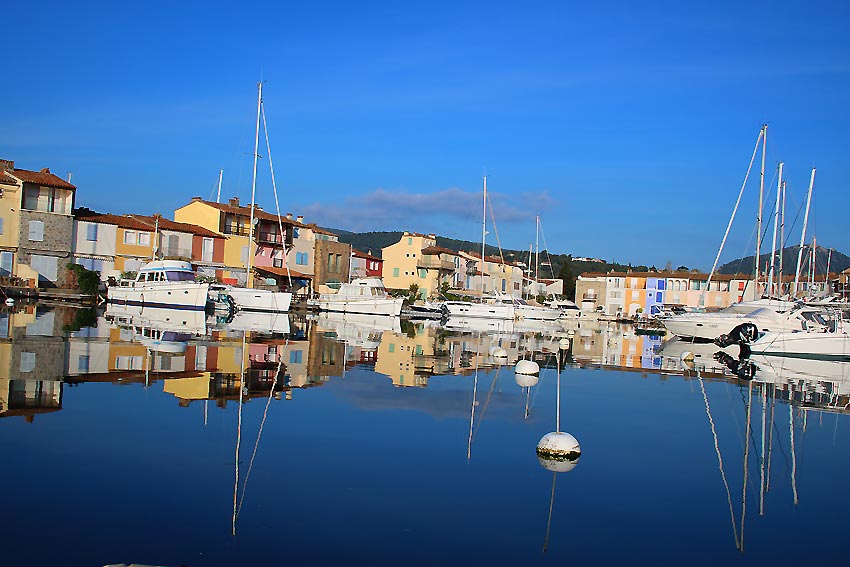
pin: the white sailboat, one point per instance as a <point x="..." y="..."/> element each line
<point x="248" y="298"/>
<point x="362" y="295"/>
<point x="488" y="309"/>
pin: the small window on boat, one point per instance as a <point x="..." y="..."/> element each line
<point x="180" y="276"/>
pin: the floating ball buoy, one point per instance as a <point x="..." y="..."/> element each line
<point x="498" y="352"/>
<point x="527" y="380"/>
<point x="10" y="301"/>
<point x="564" y="344"/>
<point x="687" y="358"/>
<point x="558" y="451"/>
<point x="527" y="367"/>
<point x="571" y="333"/>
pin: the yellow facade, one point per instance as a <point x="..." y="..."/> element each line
<point x="132" y="244"/>
<point x="201" y="214"/>
<point x="398" y="354"/>
<point x="404" y="264"/>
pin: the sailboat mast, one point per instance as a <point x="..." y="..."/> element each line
<point x="250" y="279"/>
<point x="218" y="193"/>
<point x="483" y="235"/>
<point x="761" y="205"/>
<point x="782" y="240"/>
<point x="803" y="236"/>
<point x="537" y="252"/>
<point x="775" y="230"/>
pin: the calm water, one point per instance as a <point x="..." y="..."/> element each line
<point x="354" y="447"/>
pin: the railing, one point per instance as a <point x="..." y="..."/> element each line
<point x="426" y="262"/>
<point x="589" y="297"/>
<point x="174" y="253"/>
<point x="270" y="237"/>
<point x="238" y="230"/>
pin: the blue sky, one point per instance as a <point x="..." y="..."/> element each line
<point x="627" y="127"/>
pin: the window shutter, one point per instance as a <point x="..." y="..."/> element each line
<point x="91" y="232"/>
<point x="36" y="231"/>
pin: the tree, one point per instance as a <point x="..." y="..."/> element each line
<point x="413" y="290"/>
<point x="565" y="274"/>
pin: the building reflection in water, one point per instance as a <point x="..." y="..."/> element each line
<point x="199" y="358"/>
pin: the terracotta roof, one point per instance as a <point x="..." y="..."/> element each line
<point x="246" y="211"/>
<point x="117" y="220"/>
<point x="168" y="224"/>
<point x="434" y="250"/>
<point x="665" y="275"/>
<point x="360" y="254"/>
<point x="43" y="177"/>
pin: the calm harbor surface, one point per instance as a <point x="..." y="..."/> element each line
<point x="144" y="438"/>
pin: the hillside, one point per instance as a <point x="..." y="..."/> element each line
<point x="562" y="265"/>
<point x="746" y="265"/>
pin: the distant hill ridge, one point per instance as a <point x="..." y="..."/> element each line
<point x="838" y="263"/>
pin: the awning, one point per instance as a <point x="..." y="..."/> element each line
<point x="283" y="272"/>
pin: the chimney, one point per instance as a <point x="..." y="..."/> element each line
<point x="195" y="199"/>
<point x="288" y="216"/>
<point x="233" y="202"/>
<point x="299" y="218"/>
<point x="7" y="165"/>
<point x="45" y="170"/>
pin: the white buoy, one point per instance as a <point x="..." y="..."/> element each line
<point x="10" y="301"/>
<point x="499" y="352"/>
<point x="564" y="344"/>
<point x="527" y="367"/>
<point x="558" y="451"/>
<point x="526" y="380"/>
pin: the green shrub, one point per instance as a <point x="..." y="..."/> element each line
<point x="87" y="280"/>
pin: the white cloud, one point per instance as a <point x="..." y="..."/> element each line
<point x="383" y="209"/>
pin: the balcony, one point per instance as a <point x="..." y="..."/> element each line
<point x="270" y="238"/>
<point x="430" y="263"/>
<point x="236" y="229"/>
<point x="589" y="297"/>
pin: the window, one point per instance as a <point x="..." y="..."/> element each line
<point x="27" y="361"/>
<point x="6" y="263"/>
<point x="422" y="272"/>
<point x="295" y="356"/>
<point x="144" y="239"/>
<point x="330" y="262"/>
<point x="410" y="242"/>
<point x="395" y="272"/>
<point x="36" y="231"/>
<point x="301" y="258"/>
<point x="207" y="250"/>
<point x="83" y="363"/>
<point x="1" y="225"/>
<point x="130" y="237"/>
<point x="391" y="347"/>
<point x="244" y="255"/>
<point x="91" y="232"/>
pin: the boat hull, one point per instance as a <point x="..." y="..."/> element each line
<point x="176" y="295"/>
<point x="366" y="306"/>
<point x="821" y="346"/>
<point x="481" y="310"/>
<point x="248" y="299"/>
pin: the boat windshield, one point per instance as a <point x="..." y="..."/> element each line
<point x="180" y="276"/>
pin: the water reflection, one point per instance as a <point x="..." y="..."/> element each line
<point x="455" y="385"/>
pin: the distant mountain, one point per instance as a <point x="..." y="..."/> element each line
<point x="551" y="264"/>
<point x="838" y="263"/>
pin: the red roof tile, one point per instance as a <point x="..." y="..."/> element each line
<point x="43" y="177"/>
<point x="117" y="220"/>
<point x="167" y="224"/>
